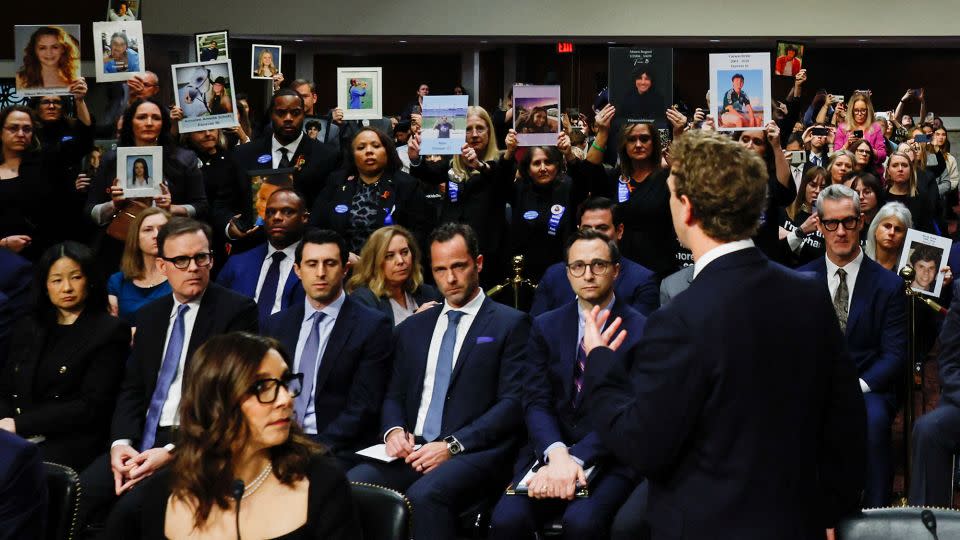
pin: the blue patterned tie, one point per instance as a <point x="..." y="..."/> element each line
<point x="441" y="378"/>
<point x="168" y="370"/>
<point x="308" y="365"/>
<point x="579" y="369"/>
<point x="268" y="291"/>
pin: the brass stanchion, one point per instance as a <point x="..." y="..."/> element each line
<point x="516" y="282"/>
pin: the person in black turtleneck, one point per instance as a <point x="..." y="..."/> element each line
<point x="643" y="103"/>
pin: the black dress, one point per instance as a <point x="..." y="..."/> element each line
<point x="23" y="207"/>
<point x="330" y="511"/>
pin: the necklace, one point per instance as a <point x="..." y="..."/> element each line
<point x="258" y="481"/>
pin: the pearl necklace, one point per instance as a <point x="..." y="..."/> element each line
<point x="258" y="481"/>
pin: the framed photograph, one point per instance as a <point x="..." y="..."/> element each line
<point x="927" y="254"/>
<point x="359" y="93"/>
<point x="444" y="125"/>
<point x="140" y="170"/>
<point x="205" y="93"/>
<point x="536" y="116"/>
<point x="120" y="54"/>
<point x="789" y="60"/>
<point x="212" y="46"/>
<point x="47" y="58"/>
<point x="640" y="84"/>
<point x="263" y="182"/>
<point x="740" y="90"/>
<point x="316" y="128"/>
<point x="264" y="61"/>
<point x="123" y="10"/>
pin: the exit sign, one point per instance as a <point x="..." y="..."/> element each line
<point x="564" y="47"/>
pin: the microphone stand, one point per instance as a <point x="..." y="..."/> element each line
<point x="237" y="490"/>
<point x="516" y="282"/>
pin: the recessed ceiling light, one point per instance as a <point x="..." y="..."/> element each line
<point x="863" y="40"/>
<point x="483" y="41"/>
<point x="611" y="43"/>
<point x="298" y="40"/>
<point x="714" y="41"/>
<point x="402" y="41"/>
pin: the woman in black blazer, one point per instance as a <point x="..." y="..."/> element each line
<point x="389" y="276"/>
<point x="65" y="361"/>
<point x="371" y="192"/>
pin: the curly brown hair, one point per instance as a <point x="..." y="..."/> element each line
<point x="213" y="429"/>
<point x="725" y="182"/>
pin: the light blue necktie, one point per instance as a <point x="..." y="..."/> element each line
<point x="308" y="365"/>
<point x="441" y="378"/>
<point x="168" y="370"/>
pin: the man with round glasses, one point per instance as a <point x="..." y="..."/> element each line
<point x="169" y="330"/>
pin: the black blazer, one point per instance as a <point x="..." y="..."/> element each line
<point x="68" y="401"/>
<point x="736" y="429"/>
<point x="221" y="311"/>
<point x="313" y="162"/>
<point x="352" y="377"/>
<point x="426" y="293"/>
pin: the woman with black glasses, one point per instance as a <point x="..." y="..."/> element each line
<point x="243" y="467"/>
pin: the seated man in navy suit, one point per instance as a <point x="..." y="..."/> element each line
<point x="452" y="414"/>
<point x="738" y="433"/>
<point x="23" y="489"/>
<point x="341" y="346"/>
<point x="869" y="303"/>
<point x="636" y="285"/>
<point x="561" y="441"/>
<point x="265" y="273"/>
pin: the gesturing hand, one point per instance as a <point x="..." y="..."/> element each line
<point x="604" y="117"/>
<point x="593" y="337"/>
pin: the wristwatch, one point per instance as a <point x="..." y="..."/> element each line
<point x="799" y="232"/>
<point x="453" y="445"/>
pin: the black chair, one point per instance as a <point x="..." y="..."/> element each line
<point x="907" y="523"/>
<point x="63" y="501"/>
<point x="385" y="514"/>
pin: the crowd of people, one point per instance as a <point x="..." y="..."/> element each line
<point x="167" y="347"/>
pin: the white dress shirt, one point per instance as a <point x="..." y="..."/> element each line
<point x="170" y="413"/>
<point x="719" y="251"/>
<point x="400" y="313"/>
<point x="852" y="268"/>
<point x="286" y="265"/>
<point x="291" y="150"/>
<point x="332" y="311"/>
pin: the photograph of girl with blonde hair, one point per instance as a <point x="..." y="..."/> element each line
<point x="266" y="61"/>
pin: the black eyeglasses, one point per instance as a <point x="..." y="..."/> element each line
<point x="849" y="223"/>
<point x="643" y="139"/>
<point x="597" y="266"/>
<point x="267" y="390"/>
<point x="183" y="262"/>
<point x="51" y="102"/>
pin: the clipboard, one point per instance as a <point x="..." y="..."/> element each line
<point x="520" y="488"/>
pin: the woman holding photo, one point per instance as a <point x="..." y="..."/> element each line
<point x="51" y="59"/>
<point x="265" y="65"/>
<point x="860" y="123"/>
<point x="24" y="186"/>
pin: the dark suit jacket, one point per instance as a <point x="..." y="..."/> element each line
<point x="426" y="293"/>
<point x="15" y="297"/>
<point x="352" y="375"/>
<point x="549" y="390"/>
<point x="635" y="285"/>
<point x="876" y="324"/>
<point x="221" y="311"/>
<point x="950" y="354"/>
<point x="68" y="399"/>
<point x="739" y="432"/>
<point x="319" y="161"/>
<point x="242" y="272"/>
<point x="23" y="489"/>
<point x="482" y="408"/>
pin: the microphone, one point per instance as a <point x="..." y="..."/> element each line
<point x="930" y="522"/>
<point x="237" y="489"/>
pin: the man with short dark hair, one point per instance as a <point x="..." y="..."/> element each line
<point x="452" y="411"/>
<point x="737" y="434"/>
<point x="169" y="331"/>
<point x="868" y="300"/>
<point x="636" y="286"/>
<point x="341" y="346"/>
<point x="925" y="260"/>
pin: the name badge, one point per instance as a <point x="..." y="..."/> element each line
<point x="453" y="190"/>
<point x="556" y="213"/>
<point x="623" y="191"/>
<point x="341" y="209"/>
<point x="530" y="215"/>
<point x="264" y="159"/>
<point x="66" y="138"/>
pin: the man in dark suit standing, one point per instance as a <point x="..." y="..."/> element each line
<point x="739" y="434"/>
<point x="635" y="285"/>
<point x="23" y="489"/>
<point x="341" y="346"/>
<point x="868" y="300"/>
<point x="451" y="416"/>
<point x="169" y="330"/>
<point x="561" y="440"/>
<point x="265" y="273"/>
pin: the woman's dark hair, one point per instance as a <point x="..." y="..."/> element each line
<point x="869" y="180"/>
<point x="801" y="199"/>
<point x="146" y="169"/>
<point x="213" y="428"/>
<point x="393" y="159"/>
<point x="126" y="130"/>
<point x="553" y="156"/>
<point x="626" y="164"/>
<point x="7" y="111"/>
<point x="767" y="154"/>
<point x="871" y="161"/>
<point x="641" y="71"/>
<point x="96" y="301"/>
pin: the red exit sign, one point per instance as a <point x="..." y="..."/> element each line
<point x="564" y="47"/>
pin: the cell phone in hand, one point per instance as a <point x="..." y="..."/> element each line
<point x="839" y="99"/>
<point x="664" y="137"/>
<point x="858" y="133"/>
<point x="797" y="157"/>
<point x="921" y="138"/>
<point x="573" y="113"/>
<point x="820" y="131"/>
<point x="243" y="223"/>
<point x="916" y="91"/>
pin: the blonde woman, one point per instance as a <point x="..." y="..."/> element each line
<point x="138" y="282"/>
<point x="389" y="276"/>
<point x="860" y="123"/>
<point x="265" y="65"/>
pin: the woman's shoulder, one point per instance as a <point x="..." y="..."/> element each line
<point x="325" y="475"/>
<point x="114" y="283"/>
<point x="184" y="156"/>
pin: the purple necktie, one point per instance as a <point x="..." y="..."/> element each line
<point x="578" y="371"/>
<point x="168" y="370"/>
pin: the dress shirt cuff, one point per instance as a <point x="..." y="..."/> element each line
<point x="226" y="232"/>
<point x="794" y="241"/>
<point x="121" y="442"/>
<point x="191" y="210"/>
<point x="169" y="447"/>
<point x="559" y="444"/>
<point x="389" y="431"/>
<point x="101" y="213"/>
<point x="864" y="387"/>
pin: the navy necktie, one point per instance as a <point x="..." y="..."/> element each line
<point x="268" y="291"/>
<point x="284" y="159"/>
<point x="308" y="365"/>
<point x="441" y="378"/>
<point x="168" y="371"/>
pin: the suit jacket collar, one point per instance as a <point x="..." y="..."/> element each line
<point x="862" y="288"/>
<point x="479" y="325"/>
<point x="737" y="259"/>
<point x="342" y="328"/>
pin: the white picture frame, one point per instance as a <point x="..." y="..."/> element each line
<point x="753" y="70"/>
<point x="355" y="105"/>
<point x="128" y="159"/>
<point x="444" y="125"/>
<point x="919" y="250"/>
<point x="194" y="91"/>
<point x="69" y="34"/>
<point x="533" y="104"/>
<point x="108" y="68"/>
<point x="202" y="40"/>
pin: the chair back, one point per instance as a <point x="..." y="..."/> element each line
<point x="905" y="523"/>
<point x="63" y="501"/>
<point x="384" y="514"/>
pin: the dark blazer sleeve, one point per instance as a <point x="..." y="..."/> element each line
<point x="392" y="414"/>
<point x="431" y="173"/>
<point x="365" y="296"/>
<point x="243" y="316"/>
<point x="645" y="293"/>
<point x="538" y="400"/>
<point x="331" y="514"/>
<point x="886" y="368"/>
<point x="131" y="409"/>
<point x="23" y="489"/>
<point x="186" y="182"/>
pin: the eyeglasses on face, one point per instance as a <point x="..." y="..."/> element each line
<point x="642" y="139"/>
<point x="51" y="103"/>
<point x="849" y="223"/>
<point x="183" y="261"/>
<point x="267" y="390"/>
<point x="598" y="267"/>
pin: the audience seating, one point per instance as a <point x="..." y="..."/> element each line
<point x="384" y="514"/>
<point x="899" y="524"/>
<point x="63" y="499"/>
